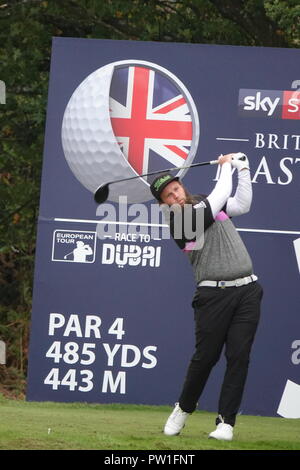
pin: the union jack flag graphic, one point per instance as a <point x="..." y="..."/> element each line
<point x="150" y="119"/>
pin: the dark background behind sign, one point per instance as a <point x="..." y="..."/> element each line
<point x="155" y="303"/>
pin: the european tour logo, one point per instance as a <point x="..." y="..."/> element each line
<point x="269" y="103"/>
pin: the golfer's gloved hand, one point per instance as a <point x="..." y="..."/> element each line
<point x="240" y="161"/>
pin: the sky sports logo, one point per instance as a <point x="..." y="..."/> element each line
<point x="269" y="103"/>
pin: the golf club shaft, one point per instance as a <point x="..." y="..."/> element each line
<point x="211" y="162"/>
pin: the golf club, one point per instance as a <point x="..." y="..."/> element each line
<point x="102" y="192"/>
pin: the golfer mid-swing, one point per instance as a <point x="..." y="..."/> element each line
<point x="228" y="296"/>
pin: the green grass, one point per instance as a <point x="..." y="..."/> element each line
<point x="33" y="425"/>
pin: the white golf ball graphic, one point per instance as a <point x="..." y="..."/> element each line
<point x="96" y="146"/>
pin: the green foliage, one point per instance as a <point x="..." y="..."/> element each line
<point x="286" y="15"/>
<point x="26" y="30"/>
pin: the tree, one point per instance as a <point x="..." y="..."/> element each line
<point x="27" y="27"/>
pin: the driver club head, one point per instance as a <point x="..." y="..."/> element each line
<point x="101" y="193"/>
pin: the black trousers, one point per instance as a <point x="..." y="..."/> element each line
<point x="227" y="317"/>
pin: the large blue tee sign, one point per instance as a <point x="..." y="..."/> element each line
<point x="112" y="319"/>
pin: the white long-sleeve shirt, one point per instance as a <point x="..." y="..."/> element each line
<point x="221" y="195"/>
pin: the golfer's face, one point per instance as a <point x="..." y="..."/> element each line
<point x="174" y="193"/>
